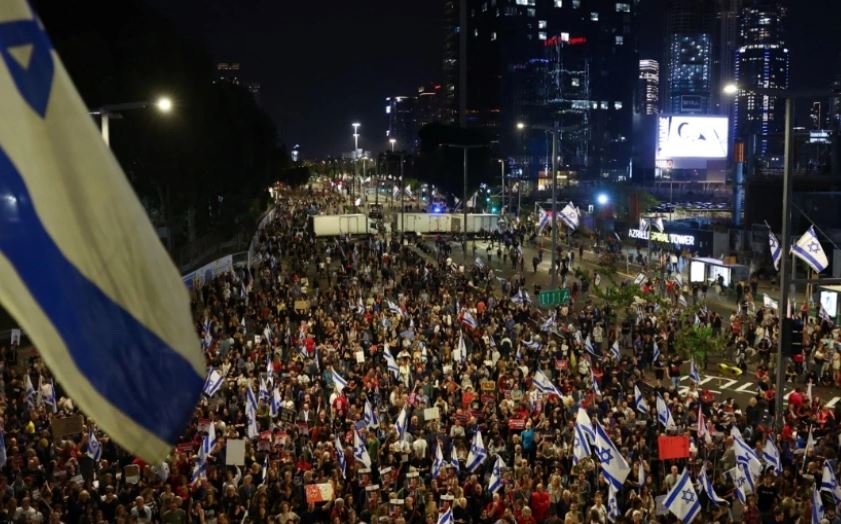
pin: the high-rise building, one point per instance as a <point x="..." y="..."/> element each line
<point x="762" y="62"/>
<point x="452" y="64"/>
<point x="402" y="121"/>
<point x="554" y="61"/>
<point x="648" y="91"/>
<point x="724" y="45"/>
<point x="689" y="56"/>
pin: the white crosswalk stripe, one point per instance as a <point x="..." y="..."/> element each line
<point x="720" y="385"/>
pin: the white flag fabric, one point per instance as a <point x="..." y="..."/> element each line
<point x="808" y="249"/>
<point x="583" y="420"/>
<point x="544" y="385"/>
<point x="340" y="455"/>
<point x="614" y="465"/>
<point x="438" y="461"/>
<point x="360" y="452"/>
<point x="495" y="481"/>
<point x="94" y="447"/>
<point x="772" y="456"/>
<point x="477" y="453"/>
<point x="682" y="500"/>
<point x="370" y="416"/>
<point x="390" y="363"/>
<point x="818" y="510"/>
<point x="274" y="406"/>
<point x="84" y="272"/>
<point x="640" y="278"/>
<point x="776" y="250"/>
<point x="612" y="504"/>
<point x="694" y="376"/>
<point x="658" y="223"/>
<point x="251" y="413"/>
<point x="580" y="444"/>
<point x="543" y="220"/>
<point x="402" y="423"/>
<point x="446" y="517"/>
<point x="643" y="224"/>
<point x="829" y="482"/>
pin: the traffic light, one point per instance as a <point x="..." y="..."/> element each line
<point x="792" y="336"/>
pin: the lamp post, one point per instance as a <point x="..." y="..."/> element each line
<point x="785" y="241"/>
<point x="108" y="112"/>
<point x="355" y="157"/>
<point x="502" y="177"/>
<point x="392" y="141"/>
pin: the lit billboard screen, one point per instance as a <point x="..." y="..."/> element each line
<point x="691" y="137"/>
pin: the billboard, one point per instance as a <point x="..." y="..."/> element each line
<point x="691" y="137"/>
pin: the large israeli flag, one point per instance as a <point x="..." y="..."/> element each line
<point x="360" y="452"/>
<point x="639" y="401"/>
<point x="391" y="364"/>
<point x="829" y="482"/>
<point x="776" y="250"/>
<point x="682" y="500"/>
<point x="544" y="385"/>
<point x="808" y="249"/>
<point x="477" y="453"/>
<point x="614" y="465"/>
<point x="340" y="456"/>
<point x="707" y="486"/>
<point x="495" y="481"/>
<point x="81" y="267"/>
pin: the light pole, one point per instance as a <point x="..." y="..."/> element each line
<point x="355" y="156"/>
<point x="464" y="149"/>
<point x="114" y="111"/>
<point x="785" y="241"/>
<point x="502" y="191"/>
<point x="392" y="141"/>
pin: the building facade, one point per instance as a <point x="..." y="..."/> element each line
<point x="688" y="86"/>
<point x="648" y="90"/>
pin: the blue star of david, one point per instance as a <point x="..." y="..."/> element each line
<point x="688" y="496"/>
<point x="360" y="450"/>
<point x="605" y="456"/>
<point x="740" y="481"/>
<point x="814" y="247"/>
<point x="35" y="79"/>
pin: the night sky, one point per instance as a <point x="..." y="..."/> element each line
<point x="323" y="64"/>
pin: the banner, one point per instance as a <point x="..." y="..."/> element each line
<point x="319" y="493"/>
<point x="673" y="447"/>
<point x="207" y="272"/>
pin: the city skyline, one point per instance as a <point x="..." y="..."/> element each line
<point x="378" y="51"/>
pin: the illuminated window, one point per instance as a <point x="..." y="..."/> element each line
<point x="525" y="2"/>
<point x="594" y="16"/>
<point x="541" y="35"/>
<point x="622" y="7"/>
<point x="575" y="81"/>
<point x="475" y="32"/>
<point x="493" y="36"/>
<point x="559" y="3"/>
<point x="564" y="37"/>
<point x="620" y="39"/>
<point x="531" y="12"/>
<point x="604" y="104"/>
<point x="541" y="24"/>
<point x="617" y="105"/>
<point x="576" y="4"/>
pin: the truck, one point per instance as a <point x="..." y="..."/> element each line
<point x="336" y="225"/>
<point x="443" y="223"/>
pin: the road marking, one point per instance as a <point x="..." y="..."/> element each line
<point x="747" y="387"/>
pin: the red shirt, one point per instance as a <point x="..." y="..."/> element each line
<point x="539" y="504"/>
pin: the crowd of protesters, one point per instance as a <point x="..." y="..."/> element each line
<point x="466" y="345"/>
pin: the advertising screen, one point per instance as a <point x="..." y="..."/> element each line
<point x="829" y="301"/>
<point x="696" y="271"/>
<point x="691" y="137"/>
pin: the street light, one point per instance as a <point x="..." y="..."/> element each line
<point x="392" y="141"/>
<point x="602" y="199"/>
<point x="730" y="89"/>
<point x="108" y="112"/>
<point x="356" y="126"/>
<point x="502" y="175"/>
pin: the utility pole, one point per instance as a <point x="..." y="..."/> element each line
<point x="785" y="246"/>
<point x="464" y="149"/>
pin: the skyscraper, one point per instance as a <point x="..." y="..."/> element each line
<point x="689" y="56"/>
<point x="648" y="92"/>
<point x="762" y="62"/>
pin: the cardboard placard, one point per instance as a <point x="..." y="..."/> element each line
<point x="517" y="424"/>
<point x="235" y="452"/>
<point x="185" y="447"/>
<point x="66" y="426"/>
<point x="287" y="415"/>
<point x="319" y="492"/>
<point x="302" y="305"/>
<point x="488" y="385"/>
<point x="431" y="414"/>
<point x="360" y="357"/>
<point x="15" y="337"/>
<point x="673" y="447"/>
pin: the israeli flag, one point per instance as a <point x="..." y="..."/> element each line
<point x="544" y="385"/>
<point x="251" y="412"/>
<point x="809" y="250"/>
<point x="543" y="220"/>
<point x="94" y="447"/>
<point x="679" y="279"/>
<point x="213" y="383"/>
<point x="495" y="481"/>
<point x="614" y="350"/>
<point x="477" y="453"/>
<point x="597" y="280"/>
<point x="338" y="382"/>
<point x="612" y="504"/>
<point x="639" y="401"/>
<point x="402" y="423"/>
<point x="533" y="345"/>
<point x="478" y="262"/>
<point x="84" y="271"/>
<point x="200" y="469"/>
<point x="48" y="392"/>
<point x="682" y="500"/>
<point x="588" y="345"/>
<point x="548" y="324"/>
<point x="460" y="354"/>
<point x="596" y="389"/>
<point x="829" y="482"/>
<point x="707" y="486"/>
<point x="682" y="301"/>
<point x="370" y="416"/>
<point x="746" y="454"/>
<point x="776" y="250"/>
<point x="818" y="510"/>
<point x="664" y="414"/>
<point x="693" y="372"/>
<point x="570" y="216"/>
<point x="580" y="444"/>
<point x="274" y="406"/>
<point x="454" y="460"/>
<point x="583" y="419"/>
<point x="438" y="461"/>
<point x="360" y="452"/>
<point x="263" y="392"/>
<point x="658" y="223"/>
<point x="640" y="278"/>
<point x="643" y="224"/>
<point x="467" y="318"/>
<point x="29" y="393"/>
<point x="655" y="352"/>
<point x="390" y="363"/>
<point x="394" y="308"/>
<point x="340" y="456"/>
<point x="209" y="440"/>
<point x="446" y="517"/>
<point x="360" y="307"/>
<point x="614" y="465"/>
<point x="772" y="456"/>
